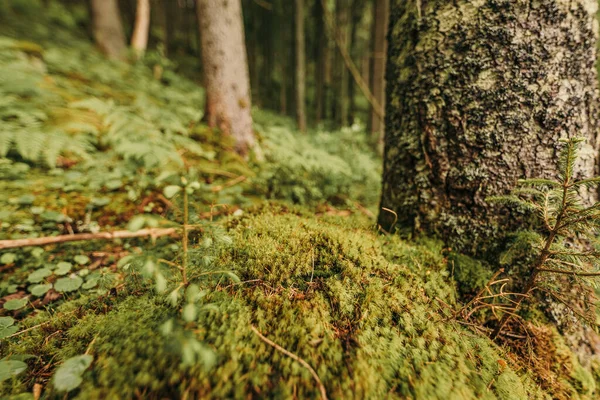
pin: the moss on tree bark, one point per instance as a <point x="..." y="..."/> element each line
<point x="478" y="94"/>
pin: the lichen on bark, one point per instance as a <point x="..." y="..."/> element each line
<point x="478" y="94"/>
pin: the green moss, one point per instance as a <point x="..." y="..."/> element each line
<point x="372" y="326"/>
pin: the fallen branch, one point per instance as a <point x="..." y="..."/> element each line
<point x="295" y="357"/>
<point x="124" y="234"/>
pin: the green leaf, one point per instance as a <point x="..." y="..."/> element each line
<point x="26" y="199"/>
<point x="53" y="216"/>
<point x="8" y="258"/>
<point x="90" y="283"/>
<point x="81" y="259"/>
<point x="7" y="327"/>
<point x="69" y="284"/>
<point x="10" y="368"/>
<point x="171" y="191"/>
<point x="136" y="223"/>
<point x="39" y="275"/>
<point x="161" y="282"/>
<point x="100" y="201"/>
<point x="173" y="297"/>
<point x="68" y="375"/>
<point x="190" y="312"/>
<point x="15" y="304"/>
<point x="63" y="268"/>
<point x="40" y="290"/>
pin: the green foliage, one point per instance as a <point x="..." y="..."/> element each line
<point x="7" y="327"/>
<point x="68" y="375"/>
<point x="371" y="328"/>
<point x="561" y="253"/>
<point x="307" y="169"/>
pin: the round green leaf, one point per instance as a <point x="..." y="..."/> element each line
<point x="63" y="268"/>
<point x="69" y="284"/>
<point x="90" y="283"/>
<point x="39" y="275"/>
<point x="10" y="368"/>
<point x="136" y="223"/>
<point x="40" y="290"/>
<point x="81" y="259"/>
<point x="68" y="375"/>
<point x="171" y="191"/>
<point x="7" y="327"/>
<point x="15" y="304"/>
<point x="8" y="258"/>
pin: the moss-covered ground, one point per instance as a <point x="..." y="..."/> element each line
<point x="286" y="247"/>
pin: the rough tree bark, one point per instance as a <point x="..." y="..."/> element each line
<point x="226" y="70"/>
<point x="478" y="94"/>
<point x="377" y="70"/>
<point x="139" y="39"/>
<point x="300" y="66"/>
<point x="107" y="28"/>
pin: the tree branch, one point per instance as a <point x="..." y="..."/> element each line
<point x="124" y="234"/>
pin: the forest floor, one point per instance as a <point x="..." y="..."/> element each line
<point x="286" y="289"/>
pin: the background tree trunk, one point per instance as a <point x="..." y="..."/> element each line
<point x="139" y="40"/>
<point x="226" y="70"/>
<point x="342" y="12"/>
<point x="320" y="48"/>
<point x="478" y="94"/>
<point x="108" y="30"/>
<point x="300" y="66"/>
<point x="377" y="70"/>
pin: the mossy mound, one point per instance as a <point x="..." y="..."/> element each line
<point x="370" y="327"/>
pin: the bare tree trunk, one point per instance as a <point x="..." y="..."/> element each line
<point x="108" y="31"/>
<point x="377" y="78"/>
<point x="342" y="12"/>
<point x="357" y="10"/>
<point x="478" y="95"/>
<point x="226" y="70"/>
<point x="139" y="40"/>
<point x="320" y="49"/>
<point x="300" y="66"/>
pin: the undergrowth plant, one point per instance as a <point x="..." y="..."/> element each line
<point x="182" y="281"/>
<point x="562" y="247"/>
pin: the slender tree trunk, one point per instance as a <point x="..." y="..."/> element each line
<point x="320" y="49"/>
<point x="108" y="31"/>
<point x="300" y="66"/>
<point x="342" y="11"/>
<point x="139" y="40"/>
<point x="226" y="70"/>
<point x="357" y="9"/>
<point x="478" y="95"/>
<point x="377" y="77"/>
<point x="169" y="26"/>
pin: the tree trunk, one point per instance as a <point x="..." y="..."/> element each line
<point x="108" y="31"/>
<point x="139" y="40"/>
<point x="342" y="11"/>
<point x="478" y="94"/>
<point x="357" y="9"/>
<point x="300" y="66"/>
<point x="320" y="49"/>
<point x="377" y="77"/>
<point x="226" y="70"/>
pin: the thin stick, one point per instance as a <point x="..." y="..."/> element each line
<point x="124" y="234"/>
<point x="294" y="357"/>
<point x="575" y="273"/>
